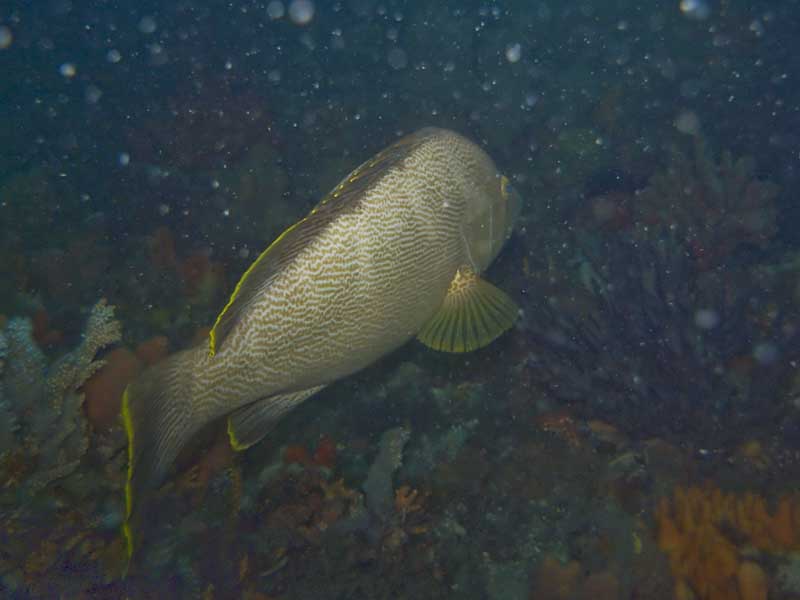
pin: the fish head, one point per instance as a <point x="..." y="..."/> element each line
<point x="492" y="210"/>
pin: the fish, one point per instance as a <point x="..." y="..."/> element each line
<point x="395" y="251"/>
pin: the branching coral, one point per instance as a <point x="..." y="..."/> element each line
<point x="46" y="401"/>
<point x="704" y="531"/>
<point x="668" y="346"/>
<point x="714" y="207"/>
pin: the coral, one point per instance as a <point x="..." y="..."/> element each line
<point x="296" y="454"/>
<point x="660" y="341"/>
<point x="752" y="581"/>
<point x="407" y="501"/>
<point x="203" y="279"/>
<point x="325" y="453"/>
<point x="714" y="207"/>
<point x="46" y="400"/>
<point x="153" y="350"/>
<point x="562" y="425"/>
<point x="161" y="248"/>
<point x="8" y="421"/>
<point x="556" y="581"/>
<point x="706" y="532"/>
<point x="378" y="486"/>
<point x="103" y="390"/>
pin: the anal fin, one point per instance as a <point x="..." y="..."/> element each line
<point x="474" y="313"/>
<point x="249" y="424"/>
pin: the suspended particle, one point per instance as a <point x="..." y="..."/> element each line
<point x="706" y="318"/>
<point x="688" y="122"/>
<point x="147" y="25"/>
<point x="276" y="10"/>
<point x="93" y="94"/>
<point x="699" y="10"/>
<point x="68" y="70"/>
<point x="6" y="37"/>
<point x="513" y="53"/>
<point x="397" y="59"/>
<point x="113" y="56"/>
<point x="301" y="12"/>
<point x="124" y="159"/>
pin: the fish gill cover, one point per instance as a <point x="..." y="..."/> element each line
<point x="634" y="435"/>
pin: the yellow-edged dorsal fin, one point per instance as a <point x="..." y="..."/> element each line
<point x="474" y="313"/>
<point x="292" y="241"/>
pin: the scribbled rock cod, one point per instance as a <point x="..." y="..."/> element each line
<point x="394" y="251"/>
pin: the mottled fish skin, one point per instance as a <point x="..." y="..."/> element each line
<point x="354" y="280"/>
<point x="366" y="285"/>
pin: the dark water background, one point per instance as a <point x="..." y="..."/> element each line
<point x="149" y="151"/>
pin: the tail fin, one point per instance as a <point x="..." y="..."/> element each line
<point x="160" y="416"/>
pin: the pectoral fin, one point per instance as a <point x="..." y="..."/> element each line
<point x="249" y="424"/>
<point x="473" y="314"/>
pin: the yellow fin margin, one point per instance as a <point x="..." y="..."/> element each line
<point x="127" y="534"/>
<point x="237" y="447"/>
<point x="474" y="313"/>
<point x="213" y="334"/>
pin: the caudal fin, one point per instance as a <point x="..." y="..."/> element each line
<point x="160" y="417"/>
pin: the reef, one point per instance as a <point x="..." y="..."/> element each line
<point x="53" y="516"/>
<point x="710" y="537"/>
<point x="648" y="322"/>
<point x="716" y="208"/>
<point x="45" y="421"/>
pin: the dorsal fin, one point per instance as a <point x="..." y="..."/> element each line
<point x="287" y="245"/>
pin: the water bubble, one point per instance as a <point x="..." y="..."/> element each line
<point x="275" y="10"/>
<point x="163" y="209"/>
<point x="698" y="10"/>
<point x="147" y="25"/>
<point x="301" y="12"/>
<point x="244" y="252"/>
<point x="513" y="53"/>
<point x="6" y="37"/>
<point x="706" y="318"/>
<point x="67" y="70"/>
<point x="397" y="58"/>
<point x="113" y="56"/>
<point x="124" y="159"/>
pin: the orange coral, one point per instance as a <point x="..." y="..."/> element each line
<point x="44" y="335"/>
<point x="562" y="424"/>
<point x="699" y="529"/>
<point x="153" y="350"/>
<point x="103" y="390"/>
<point x="296" y="454"/>
<point x="554" y="581"/>
<point x="752" y="581"/>
<point x="161" y="246"/>
<point x="325" y="453"/>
